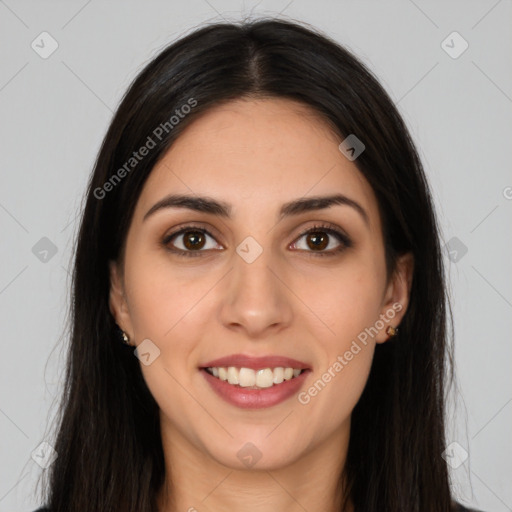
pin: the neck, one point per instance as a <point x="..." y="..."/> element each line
<point x="195" y="482"/>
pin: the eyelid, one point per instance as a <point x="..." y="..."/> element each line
<point x="190" y="226"/>
<point x="327" y="226"/>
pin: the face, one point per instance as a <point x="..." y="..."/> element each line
<point x="258" y="274"/>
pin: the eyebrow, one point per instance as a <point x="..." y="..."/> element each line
<point x="212" y="206"/>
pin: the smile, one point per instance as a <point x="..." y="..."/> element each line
<point x="254" y="379"/>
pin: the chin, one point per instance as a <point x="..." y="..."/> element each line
<point x="256" y="453"/>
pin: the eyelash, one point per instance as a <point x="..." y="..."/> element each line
<point x="346" y="242"/>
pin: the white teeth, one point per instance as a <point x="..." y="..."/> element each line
<point x="278" y="375"/>
<point x="249" y="378"/>
<point x="264" y="378"/>
<point x="232" y="375"/>
<point x="288" y="373"/>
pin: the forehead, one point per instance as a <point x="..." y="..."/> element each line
<point x="263" y="153"/>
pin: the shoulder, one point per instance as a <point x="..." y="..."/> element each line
<point x="459" y="508"/>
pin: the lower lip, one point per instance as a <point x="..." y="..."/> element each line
<point x="255" y="398"/>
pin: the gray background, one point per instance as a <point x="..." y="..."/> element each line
<point x="55" y="111"/>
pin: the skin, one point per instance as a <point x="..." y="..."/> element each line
<point x="255" y="155"/>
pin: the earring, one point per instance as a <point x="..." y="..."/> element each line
<point x="126" y="340"/>
<point x="391" y="331"/>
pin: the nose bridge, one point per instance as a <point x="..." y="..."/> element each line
<point x="255" y="274"/>
<point x="255" y="299"/>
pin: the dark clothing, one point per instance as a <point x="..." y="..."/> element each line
<point x="459" y="508"/>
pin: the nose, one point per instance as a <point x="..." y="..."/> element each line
<point x="256" y="301"/>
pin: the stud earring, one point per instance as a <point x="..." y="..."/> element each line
<point x="391" y="331"/>
<point x="126" y="340"/>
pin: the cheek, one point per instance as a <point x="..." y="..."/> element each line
<point x="330" y="397"/>
<point x="168" y="307"/>
<point x="345" y="350"/>
<point x="347" y="300"/>
<point x="167" y="303"/>
<point x="150" y="287"/>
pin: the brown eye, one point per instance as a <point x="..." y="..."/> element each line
<point x="317" y="240"/>
<point x="190" y="241"/>
<point x="193" y="240"/>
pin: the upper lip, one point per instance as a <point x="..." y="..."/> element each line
<point x="256" y="363"/>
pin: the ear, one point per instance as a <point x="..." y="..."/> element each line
<point x="117" y="300"/>
<point x="396" y="298"/>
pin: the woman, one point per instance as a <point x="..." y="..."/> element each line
<point x="259" y="233"/>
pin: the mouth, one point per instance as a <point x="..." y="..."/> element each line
<point x="254" y="379"/>
<point x="255" y="382"/>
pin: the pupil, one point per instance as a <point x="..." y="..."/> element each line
<point x="319" y="240"/>
<point x="193" y="239"/>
